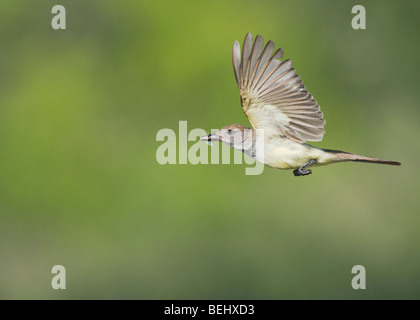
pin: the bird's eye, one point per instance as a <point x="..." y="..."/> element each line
<point x="230" y="131"/>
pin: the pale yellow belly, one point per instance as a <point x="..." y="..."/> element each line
<point x="286" y="154"/>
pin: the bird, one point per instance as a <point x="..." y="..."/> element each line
<point x="282" y="113"/>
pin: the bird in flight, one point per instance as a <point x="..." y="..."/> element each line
<point x="283" y="114"/>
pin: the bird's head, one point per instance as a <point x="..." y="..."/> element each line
<point x="233" y="135"/>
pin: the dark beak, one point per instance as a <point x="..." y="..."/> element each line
<point x="210" y="137"/>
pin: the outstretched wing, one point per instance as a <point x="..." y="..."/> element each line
<point x="272" y="94"/>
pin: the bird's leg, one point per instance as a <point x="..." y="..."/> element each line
<point x="302" y="171"/>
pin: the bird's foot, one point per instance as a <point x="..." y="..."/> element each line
<point x="301" y="172"/>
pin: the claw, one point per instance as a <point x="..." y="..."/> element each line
<point x="301" y="172"/>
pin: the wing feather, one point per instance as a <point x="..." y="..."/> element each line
<point x="263" y="62"/>
<point x="255" y="53"/>
<point x="236" y="60"/>
<point x="273" y="96"/>
<point x="246" y="51"/>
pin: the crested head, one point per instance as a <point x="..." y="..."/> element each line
<point x="235" y="135"/>
<point x="231" y="134"/>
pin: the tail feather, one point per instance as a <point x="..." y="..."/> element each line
<point x="347" y="156"/>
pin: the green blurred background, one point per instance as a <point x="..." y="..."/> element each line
<point x="80" y="185"/>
